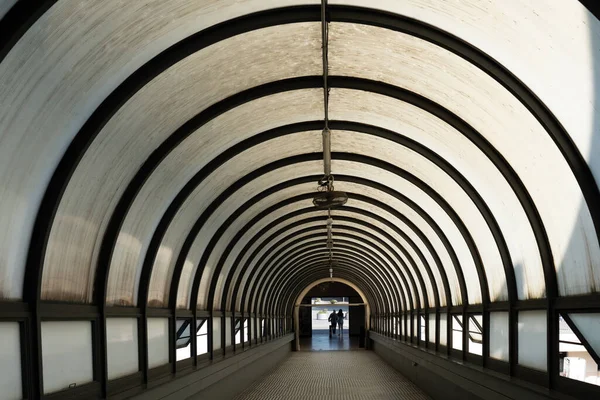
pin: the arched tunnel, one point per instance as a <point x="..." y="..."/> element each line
<point x="162" y="163"/>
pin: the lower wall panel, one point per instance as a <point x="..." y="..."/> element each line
<point x="446" y="379"/>
<point x="226" y="378"/>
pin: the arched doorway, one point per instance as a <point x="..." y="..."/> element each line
<point x="298" y="305"/>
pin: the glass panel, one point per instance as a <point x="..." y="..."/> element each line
<point x="457" y="332"/>
<point x="66" y="354"/>
<point x="423" y="330"/>
<point x="216" y="336"/>
<point x="443" y="329"/>
<point x="589" y="326"/>
<point x="158" y="342"/>
<point x="475" y="334"/>
<point x="532" y="337"/>
<point x="189" y="157"/>
<point x="10" y="360"/>
<point x="432" y="327"/>
<point x="499" y="335"/>
<point x="575" y="362"/>
<point x="122" y="346"/>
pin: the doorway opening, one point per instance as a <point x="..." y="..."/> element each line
<point x="325" y="309"/>
<point x="316" y="310"/>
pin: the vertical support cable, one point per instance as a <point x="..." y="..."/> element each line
<point x="326" y="131"/>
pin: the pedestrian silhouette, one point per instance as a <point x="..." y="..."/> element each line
<point x="333" y="320"/>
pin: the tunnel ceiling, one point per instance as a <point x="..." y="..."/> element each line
<point x="166" y="153"/>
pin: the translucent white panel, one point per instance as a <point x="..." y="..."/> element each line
<point x="66" y="354"/>
<point x="431" y="327"/>
<point x="216" y="333"/>
<point x="5" y="6"/>
<point x="443" y="329"/>
<point x="431" y="207"/>
<point x="409" y="326"/>
<point x="158" y="342"/>
<point x="122" y="350"/>
<point x="422" y="328"/>
<point x="447" y="188"/>
<point x="41" y="114"/>
<point x="589" y="326"/>
<point x="500" y="117"/>
<point x="180" y="166"/>
<point x="253" y="328"/>
<point x="10" y="361"/>
<point x="499" y="335"/>
<point x="131" y="135"/>
<point x="557" y="63"/>
<point x="457" y="332"/>
<point x="532" y="336"/>
<point x="458" y="150"/>
<point x="227" y="331"/>
<point x="227" y="174"/>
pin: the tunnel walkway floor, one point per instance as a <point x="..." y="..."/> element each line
<point x="334" y="375"/>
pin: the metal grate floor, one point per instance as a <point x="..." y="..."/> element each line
<point x="335" y="375"/>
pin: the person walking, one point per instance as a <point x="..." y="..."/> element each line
<point x="333" y="320"/>
<point x="340" y="321"/>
